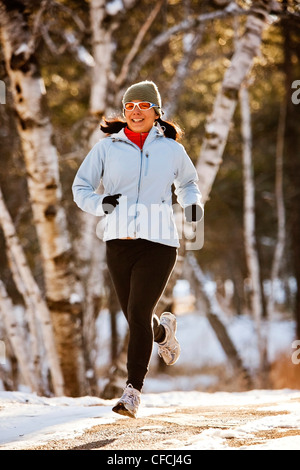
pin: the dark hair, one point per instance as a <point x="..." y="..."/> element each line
<point x="114" y="125"/>
<point x="111" y="126"/>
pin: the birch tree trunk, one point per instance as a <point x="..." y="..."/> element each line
<point x="102" y="45"/>
<point x="18" y="341"/>
<point x="249" y="208"/>
<point x="218" y="124"/>
<point x="34" y="300"/>
<point x="64" y="293"/>
<point x="214" y="316"/>
<point x="252" y="260"/>
<point x="35" y="343"/>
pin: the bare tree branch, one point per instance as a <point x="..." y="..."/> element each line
<point x="138" y="40"/>
<point x="186" y="25"/>
<point x="190" y="44"/>
<point x="71" y="14"/>
<point x="32" y="43"/>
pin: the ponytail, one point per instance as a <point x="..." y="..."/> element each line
<point x="170" y="129"/>
<point x="112" y="126"/>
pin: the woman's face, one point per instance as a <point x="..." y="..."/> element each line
<point x="140" y="121"/>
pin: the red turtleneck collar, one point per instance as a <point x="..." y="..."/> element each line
<point x="137" y="138"/>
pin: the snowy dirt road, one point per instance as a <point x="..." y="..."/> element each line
<point x="178" y="430"/>
<point x="258" y="419"/>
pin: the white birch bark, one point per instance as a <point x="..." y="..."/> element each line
<point x="18" y="341"/>
<point x="63" y="291"/>
<point x="252" y="259"/>
<point x="35" y="341"/>
<point x="249" y="209"/>
<point x="102" y="47"/>
<point x="219" y="122"/>
<point x="33" y="296"/>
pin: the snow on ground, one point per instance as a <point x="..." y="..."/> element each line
<point x="200" y="348"/>
<point x="27" y="420"/>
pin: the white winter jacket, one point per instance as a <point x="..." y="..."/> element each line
<point x="144" y="178"/>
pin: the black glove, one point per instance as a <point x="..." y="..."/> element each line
<point x="193" y="213"/>
<point x="110" y="202"/>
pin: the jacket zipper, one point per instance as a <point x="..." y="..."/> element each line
<point x="147" y="163"/>
<point x="138" y="191"/>
<point x="114" y="139"/>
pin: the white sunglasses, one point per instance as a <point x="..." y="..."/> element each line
<point x="142" y="105"/>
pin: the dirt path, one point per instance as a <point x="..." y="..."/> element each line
<point x="173" y="430"/>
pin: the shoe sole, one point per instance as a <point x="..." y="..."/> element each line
<point x="174" y="362"/>
<point x="169" y="315"/>
<point x="122" y="410"/>
<point x="174" y="321"/>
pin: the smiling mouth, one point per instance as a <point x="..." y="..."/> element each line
<point x="137" y="120"/>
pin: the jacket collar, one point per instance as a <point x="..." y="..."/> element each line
<point x="154" y="133"/>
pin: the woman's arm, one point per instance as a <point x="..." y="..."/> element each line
<point x="87" y="180"/>
<point x="186" y="188"/>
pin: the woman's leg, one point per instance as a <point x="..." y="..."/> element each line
<point x="140" y="270"/>
<point x="158" y="330"/>
<point x="149" y="278"/>
<point x="120" y="258"/>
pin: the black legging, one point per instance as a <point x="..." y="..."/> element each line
<point x="140" y="270"/>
